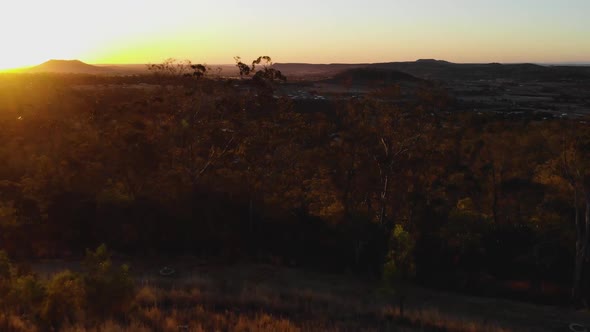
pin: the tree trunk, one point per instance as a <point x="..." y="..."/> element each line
<point x="251" y="214"/>
<point x="346" y="193"/>
<point x="495" y="191"/>
<point x="577" y="286"/>
<point x="583" y="236"/>
<point x="383" y="200"/>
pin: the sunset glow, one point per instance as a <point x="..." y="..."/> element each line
<point x="304" y="31"/>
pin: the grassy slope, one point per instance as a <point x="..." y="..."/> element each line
<point x="202" y="297"/>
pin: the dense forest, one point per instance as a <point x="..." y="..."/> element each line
<point x="224" y="168"/>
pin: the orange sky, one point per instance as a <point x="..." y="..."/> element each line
<point x="213" y="31"/>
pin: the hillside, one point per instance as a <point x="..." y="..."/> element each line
<point x="442" y="70"/>
<point x="369" y="75"/>
<point x="68" y="66"/>
<point x="79" y="67"/>
<point x="314" y="70"/>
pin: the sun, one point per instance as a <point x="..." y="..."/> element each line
<point x="22" y="59"/>
<point x="31" y="37"/>
<point x="37" y="51"/>
<point x="32" y="31"/>
<point x="7" y="63"/>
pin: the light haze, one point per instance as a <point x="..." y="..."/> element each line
<point x="327" y="31"/>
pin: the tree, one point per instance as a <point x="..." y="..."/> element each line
<point x="108" y="289"/>
<point x="199" y="71"/>
<point x="399" y="267"/>
<point x="170" y="67"/>
<point x="263" y="78"/>
<point x="242" y="67"/>
<point x="576" y="170"/>
<point x="390" y="138"/>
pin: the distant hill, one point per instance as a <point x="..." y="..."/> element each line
<point x="314" y="70"/>
<point x="431" y="69"/>
<point x="79" y="67"/>
<point x="426" y="69"/>
<point x="443" y="70"/>
<point x="68" y="67"/>
<point x="367" y="75"/>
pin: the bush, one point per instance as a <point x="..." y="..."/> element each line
<point x="400" y="265"/>
<point x="102" y="291"/>
<point x="109" y="290"/>
<point x="65" y="299"/>
<point x="26" y="295"/>
<point x="5" y="268"/>
<point x="5" y="265"/>
<point x="400" y="259"/>
<point x="20" y="293"/>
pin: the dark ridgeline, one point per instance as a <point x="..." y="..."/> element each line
<point x="443" y="70"/>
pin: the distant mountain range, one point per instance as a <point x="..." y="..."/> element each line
<point x="428" y="69"/>
<point x="443" y="70"/>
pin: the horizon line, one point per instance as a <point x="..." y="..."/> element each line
<point x="547" y="63"/>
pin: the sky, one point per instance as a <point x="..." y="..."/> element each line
<point x="314" y="31"/>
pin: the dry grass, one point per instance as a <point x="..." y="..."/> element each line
<point x="432" y="319"/>
<point x="266" y="298"/>
<point x="305" y="312"/>
<point x="15" y="323"/>
<point x="262" y="298"/>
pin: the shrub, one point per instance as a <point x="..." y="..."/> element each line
<point x="65" y="299"/>
<point x="109" y="290"/>
<point x="146" y="296"/>
<point x="26" y="295"/>
<point x="400" y="265"/>
<point x="5" y="272"/>
<point x="20" y="293"/>
<point x="5" y="265"/>
<point x="400" y="259"/>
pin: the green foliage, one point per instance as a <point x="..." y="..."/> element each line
<point x="19" y="293"/>
<point x="98" y="261"/>
<point x="65" y="299"/>
<point x="400" y="265"/>
<point x="114" y="194"/>
<point x="109" y="290"/>
<point x="26" y="294"/>
<point x="101" y="291"/>
<point x="465" y="229"/>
